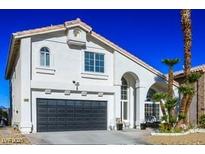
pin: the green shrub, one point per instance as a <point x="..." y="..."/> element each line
<point x="202" y="121"/>
<point x="182" y="116"/>
<point x="177" y="130"/>
<point x="165" y="128"/>
<point x="172" y="119"/>
<point x="164" y="118"/>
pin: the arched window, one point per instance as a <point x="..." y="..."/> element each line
<point x="124" y="89"/>
<point x="45" y="57"/>
<point x="150" y="94"/>
<point x="151" y="108"/>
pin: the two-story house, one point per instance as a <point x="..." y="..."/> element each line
<point x="68" y="77"/>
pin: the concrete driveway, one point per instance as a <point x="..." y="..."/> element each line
<point x="131" y="136"/>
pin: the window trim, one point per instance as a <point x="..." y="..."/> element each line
<point x="124" y="88"/>
<point x="94" y="72"/>
<point x="151" y="103"/>
<point x="45" y="57"/>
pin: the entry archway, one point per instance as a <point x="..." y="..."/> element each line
<point x="128" y="103"/>
<point x="152" y="108"/>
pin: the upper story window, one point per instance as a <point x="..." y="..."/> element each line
<point x="45" y="57"/>
<point x="94" y="62"/>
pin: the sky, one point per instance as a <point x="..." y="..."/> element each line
<point x="151" y="35"/>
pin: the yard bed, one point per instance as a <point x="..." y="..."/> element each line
<point x="189" y="139"/>
<point x="9" y="136"/>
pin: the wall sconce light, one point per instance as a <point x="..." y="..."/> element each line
<point x="77" y="84"/>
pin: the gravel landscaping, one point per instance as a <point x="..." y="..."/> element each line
<point x="190" y="139"/>
<point x="9" y="136"/>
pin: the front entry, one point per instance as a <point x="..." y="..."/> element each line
<point x="124" y="102"/>
<point x="128" y="102"/>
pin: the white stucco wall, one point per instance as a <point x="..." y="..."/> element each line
<point x="66" y="66"/>
<point x="16" y="93"/>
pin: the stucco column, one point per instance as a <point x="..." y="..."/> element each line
<point x="25" y="52"/>
<point x="140" y="100"/>
<point x="131" y="103"/>
<point x="117" y="101"/>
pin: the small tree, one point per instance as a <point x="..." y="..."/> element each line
<point x="170" y="63"/>
<point x="167" y="102"/>
<point x="187" y="90"/>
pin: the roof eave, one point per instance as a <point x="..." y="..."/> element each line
<point x="17" y="36"/>
<point x="10" y="53"/>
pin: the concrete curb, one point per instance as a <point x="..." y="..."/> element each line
<point x="179" y="134"/>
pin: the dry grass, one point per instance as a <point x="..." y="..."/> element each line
<point x="190" y="139"/>
<point x="10" y="136"/>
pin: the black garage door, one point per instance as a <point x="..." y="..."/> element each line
<point x="71" y="115"/>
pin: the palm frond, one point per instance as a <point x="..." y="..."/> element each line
<point x="193" y="77"/>
<point x="159" y="96"/>
<point x="186" y="89"/>
<point x="170" y="62"/>
<point x="171" y="103"/>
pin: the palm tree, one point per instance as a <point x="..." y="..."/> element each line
<point x="159" y="97"/>
<point x="170" y="63"/>
<point x="192" y="78"/>
<point x="186" y="27"/>
<point x="170" y="105"/>
<point x="185" y="89"/>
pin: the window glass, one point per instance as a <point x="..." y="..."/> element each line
<point x="44" y="57"/>
<point x="150" y="94"/>
<point x="47" y="59"/>
<point x="94" y="62"/>
<point x="125" y="110"/>
<point x="124" y="89"/>
<point x="152" y="111"/>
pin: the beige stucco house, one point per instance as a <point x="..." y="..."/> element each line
<point x="197" y="107"/>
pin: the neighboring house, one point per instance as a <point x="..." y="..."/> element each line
<point x="4" y="109"/>
<point x="197" y="107"/>
<point x="4" y="115"/>
<point x="67" y="77"/>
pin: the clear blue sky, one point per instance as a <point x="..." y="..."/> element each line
<point x="151" y="35"/>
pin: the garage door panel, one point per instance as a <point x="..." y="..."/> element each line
<point x="43" y="120"/>
<point x="42" y="110"/>
<point x="52" y="120"/>
<point x="42" y="103"/>
<point x="42" y="127"/>
<point x="61" y="102"/>
<point x="52" y="109"/>
<point x="60" y="110"/>
<point x="51" y="102"/>
<point x="66" y="115"/>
